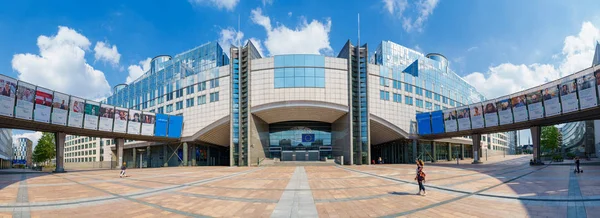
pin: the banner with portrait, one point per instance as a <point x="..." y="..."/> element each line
<point x="121" y="115"/>
<point x="450" y="120"/>
<point x="568" y="95"/>
<point x="587" y="91"/>
<point x="60" y="108"/>
<point x="76" y="107"/>
<point x="134" y="122"/>
<point x="551" y="100"/>
<point x="504" y="107"/>
<point x="148" y="121"/>
<point x="25" y="100"/>
<point x="464" y="118"/>
<point x="477" y="120"/>
<point x="535" y="106"/>
<point x="8" y="93"/>
<point x="491" y="113"/>
<point x="519" y="107"/>
<point x="43" y="105"/>
<point x="92" y="114"/>
<point x="107" y="115"/>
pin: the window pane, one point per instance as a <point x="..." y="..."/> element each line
<point x="319" y="61"/>
<point x="309" y="72"/>
<point x="299" y="81"/>
<point x="299" y="60"/>
<point x="289" y="72"/>
<point x="320" y="82"/>
<point x="279" y="61"/>
<point x="299" y="72"/>
<point x="289" y="60"/>
<point x="279" y="82"/>
<point x="320" y="72"/>
<point x="309" y="81"/>
<point x="289" y="82"/>
<point x="279" y="73"/>
<point x="309" y="60"/>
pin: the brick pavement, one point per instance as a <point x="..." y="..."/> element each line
<point x="507" y="187"/>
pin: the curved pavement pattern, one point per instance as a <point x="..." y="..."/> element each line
<point x="506" y="188"/>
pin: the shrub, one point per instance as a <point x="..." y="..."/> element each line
<point x="557" y="158"/>
<point x="570" y="155"/>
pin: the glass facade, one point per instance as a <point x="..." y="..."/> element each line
<point x="289" y="135"/>
<point x="294" y="71"/>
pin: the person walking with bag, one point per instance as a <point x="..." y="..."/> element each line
<point x="123" y="168"/>
<point x="420" y="177"/>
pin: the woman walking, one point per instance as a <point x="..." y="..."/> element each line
<point x="123" y="168"/>
<point x="420" y="177"/>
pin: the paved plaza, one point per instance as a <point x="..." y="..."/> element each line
<point x="502" y="187"/>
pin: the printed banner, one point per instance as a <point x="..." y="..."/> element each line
<point x="519" y="107"/>
<point x="477" y="120"/>
<point x="107" y="115"/>
<point x="424" y="123"/>
<point x="587" y="92"/>
<point x="162" y="122"/>
<point x="148" y="121"/>
<point x="133" y="127"/>
<point x="8" y="90"/>
<point x="568" y="96"/>
<point x="60" y="108"/>
<point x="43" y="104"/>
<point x="464" y="118"/>
<point x="121" y="115"/>
<point x="450" y="120"/>
<point x="76" y="107"/>
<point x="491" y="114"/>
<point x="504" y="111"/>
<point x="25" y="100"/>
<point x="92" y="112"/>
<point x="551" y="101"/>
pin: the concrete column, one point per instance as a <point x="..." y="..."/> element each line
<point x="405" y="153"/>
<point x="414" y="153"/>
<point x="119" y="144"/>
<point x="462" y="151"/>
<point x="148" y="157"/>
<point x="184" y="161"/>
<point x="135" y="163"/>
<point x="476" y="148"/>
<point x="166" y="156"/>
<point x="536" y="133"/>
<point x="59" y="141"/>
<point x="433" y="153"/>
<point x="450" y="154"/>
<point x="194" y="147"/>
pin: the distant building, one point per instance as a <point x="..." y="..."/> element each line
<point x="5" y="148"/>
<point x="22" y="152"/>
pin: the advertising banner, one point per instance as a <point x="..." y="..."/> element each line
<point x="504" y="110"/>
<point x="477" y="120"/>
<point x="133" y="127"/>
<point x="534" y="105"/>
<point x="519" y="107"/>
<point x="25" y="100"/>
<point x="162" y="121"/>
<point x="437" y="122"/>
<point x="76" y="112"/>
<point x="551" y="100"/>
<point x="491" y="113"/>
<point x="121" y="115"/>
<point x="107" y="115"/>
<point x="8" y="93"/>
<point x="424" y="123"/>
<point x="587" y="92"/>
<point x="568" y="96"/>
<point x="450" y="120"/>
<point x="43" y="105"/>
<point x="148" y="120"/>
<point x="175" y="126"/>
<point x="60" y="108"/>
<point x="464" y="118"/>
<point x="92" y="113"/>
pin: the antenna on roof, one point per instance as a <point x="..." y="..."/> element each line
<point x="358" y="30"/>
<point x="236" y="34"/>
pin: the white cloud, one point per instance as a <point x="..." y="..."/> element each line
<point x="307" y="38"/>
<point x="508" y="78"/>
<point x="415" y="20"/>
<point x="229" y="37"/>
<point x="135" y="71"/>
<point x="267" y="2"/>
<point x="258" y="45"/>
<point x="61" y="65"/>
<point x="472" y="49"/>
<point x="33" y="136"/>
<point x="104" y="52"/>
<point x="289" y="14"/>
<point x="220" y="4"/>
<point x="395" y="6"/>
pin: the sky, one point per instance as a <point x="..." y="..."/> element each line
<point x="84" y="48"/>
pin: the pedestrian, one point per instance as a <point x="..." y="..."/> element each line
<point x="379" y="161"/>
<point x="123" y="168"/>
<point x="420" y="177"/>
<point x="577" y="170"/>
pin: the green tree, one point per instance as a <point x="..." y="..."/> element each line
<point x="45" y="149"/>
<point x="550" y="138"/>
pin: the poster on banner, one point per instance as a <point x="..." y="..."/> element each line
<point x="551" y="100"/>
<point x="477" y="120"/>
<point x="76" y="112"/>
<point x="450" y="120"/>
<point x="25" y="100"/>
<point x="587" y="91"/>
<point x="424" y="123"/>
<point x="121" y="115"/>
<point x="162" y="122"/>
<point x="534" y="105"/>
<point x="148" y="121"/>
<point x="60" y="108"/>
<point x="437" y="122"/>
<point x="519" y="107"/>
<point x="43" y="105"/>
<point x="8" y="92"/>
<point x="464" y="118"/>
<point x="504" y="111"/>
<point x="133" y="126"/>
<point x="92" y="113"/>
<point x="568" y="96"/>
<point x="107" y="115"/>
<point x="491" y="114"/>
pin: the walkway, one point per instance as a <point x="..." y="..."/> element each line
<point x="509" y="188"/>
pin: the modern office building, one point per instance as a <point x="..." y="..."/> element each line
<point x="82" y="149"/>
<point x="22" y="152"/>
<point x="243" y="109"/>
<point x="6" y="148"/>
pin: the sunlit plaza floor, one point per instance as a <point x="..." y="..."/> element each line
<point x="501" y="187"/>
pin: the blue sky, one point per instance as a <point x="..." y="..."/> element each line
<point x="104" y="42"/>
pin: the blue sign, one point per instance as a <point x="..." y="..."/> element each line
<point x="424" y="123"/>
<point x="160" y="128"/>
<point x="437" y="122"/>
<point x="308" y="137"/>
<point x="175" y="126"/>
<point x="23" y="162"/>
<point x="413" y="69"/>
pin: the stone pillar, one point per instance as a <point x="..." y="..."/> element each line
<point x="119" y="144"/>
<point x="194" y="147"/>
<point x="433" y="153"/>
<point x="450" y="154"/>
<point x="462" y="151"/>
<point x="148" y="157"/>
<point x="59" y="141"/>
<point x="166" y="156"/>
<point x="135" y="163"/>
<point x="184" y="161"/>
<point x="476" y="148"/>
<point x="414" y="149"/>
<point x="536" y="133"/>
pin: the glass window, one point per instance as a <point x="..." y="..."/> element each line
<point x="397" y="98"/>
<point x="179" y="105"/>
<point x="190" y="90"/>
<point x="451" y="102"/>
<point x="202" y="86"/>
<point x="436" y="107"/>
<point x="408" y="88"/>
<point x="189" y="102"/>
<point x="383" y="82"/>
<point x="428" y="105"/>
<point x="214" y="83"/>
<point x="436" y="97"/>
<point x="214" y="96"/>
<point x="279" y="73"/>
<point x="408" y="100"/>
<point x="160" y="110"/>
<point x="169" y="108"/>
<point x="299" y="77"/>
<point x="201" y="99"/>
<point x="419" y="91"/>
<point x="428" y="94"/>
<point x="419" y="103"/>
